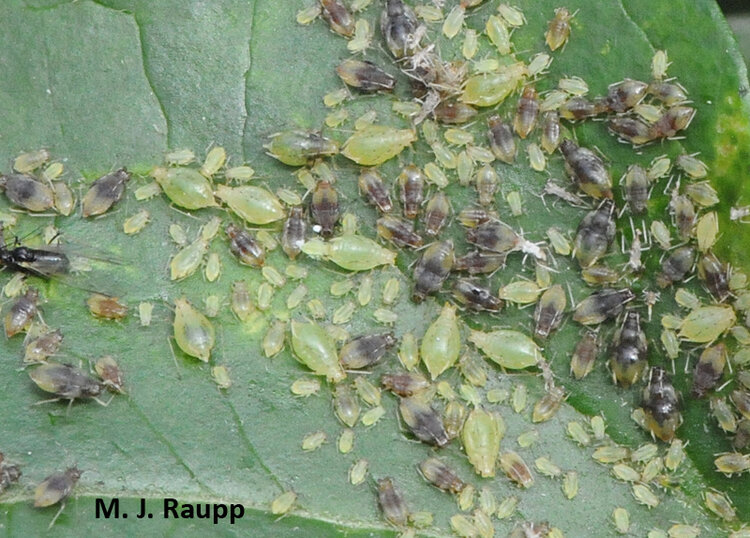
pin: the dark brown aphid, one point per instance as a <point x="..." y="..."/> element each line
<point x="424" y="422"/>
<point x="398" y="231"/>
<point x="441" y="476"/>
<point x="629" y="350"/>
<point x="454" y="113"/>
<point x="580" y="108"/>
<point x="684" y="215"/>
<point x="247" y="250"/>
<point x="22" y="312"/>
<point x="741" y="400"/>
<point x="474" y="296"/>
<point x="9" y="473"/>
<point x="293" y="233"/>
<point x="708" y="370"/>
<point x="527" y="112"/>
<point x="584" y="355"/>
<point x="741" y="439"/>
<point x="595" y="234"/>
<point x="26" y="192"/>
<point x="338" y="16"/>
<point x="549" y="311"/>
<point x="673" y="121"/>
<point x="471" y="217"/>
<point x="411" y="183"/>
<point x="602" y="305"/>
<point x="502" y="141"/>
<point x="365" y="350"/>
<point x="667" y="92"/>
<point x="104" y="306"/>
<point x="550" y="131"/>
<point x="661" y="405"/>
<point x="478" y="262"/>
<point x="586" y="170"/>
<point x="65" y="381"/>
<point x="631" y="130"/>
<point x="372" y="186"/>
<point x="622" y="96"/>
<point x="493" y="235"/>
<point x="676" y="266"/>
<point x="636" y="189"/>
<point x="110" y="373"/>
<point x="399" y="24"/>
<point x="325" y="208"/>
<point x="43" y="346"/>
<point x="365" y="76"/>
<point x="436" y="213"/>
<point x="432" y="269"/>
<point x="406" y="384"/>
<point x="392" y="502"/>
<point x="56" y="487"/>
<point x="104" y="193"/>
<point x="716" y="276"/>
<point x="599" y="275"/>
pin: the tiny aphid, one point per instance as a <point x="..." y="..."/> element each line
<point x="255" y="205"/>
<point x="636" y="185"/>
<point x="486" y="183"/>
<point x="408" y="352"/>
<point x="193" y="332"/>
<point x="240" y="301"/>
<point x="732" y="463"/>
<point x="26" y="192"/>
<point x="479" y="262"/>
<point x="507" y="507"/>
<point x="391" y="500"/>
<point x="602" y="305"/>
<point x="345" y="405"/>
<point x="659" y="64"/>
<point x="674" y="120"/>
<point x="625" y="473"/>
<point x="376" y="144"/>
<point x="475" y="296"/>
<point x="621" y="518"/>
<point x="28" y="162"/>
<point x="723" y="414"/>
<point x="708" y="370"/>
<point x="580" y="108"/>
<point x="537" y="160"/>
<point x="441" y="476"/>
<point x="337" y="117"/>
<point x="365" y="350"/>
<point x="136" y="222"/>
<point x="545" y="466"/>
<point x="549" y="311"/>
<point x="559" y="242"/>
<point x="441" y="342"/>
<point x="454" y="21"/>
<point x="305" y="386"/>
<point x="550" y="131"/>
<point x="622" y="96"/>
<point x="212" y="271"/>
<point x="21" y="313"/>
<point x="473" y="370"/>
<point x="570" y="484"/>
<point x="547" y="406"/>
<point x="706" y="323"/>
<point x="365" y="76"/>
<point x="297" y="148"/>
<point x="516" y="469"/>
<point x="52" y="172"/>
<point x="273" y="339"/>
<point x="495" y="236"/>
<point x="573" y="86"/>
<point x="598" y="275"/>
<point x="391" y="290"/>
<point x="406" y="384"/>
<point x="338" y="16"/>
<point x="293" y="233"/>
<point x="369" y="393"/>
<point x="458" y="137"/>
<point x="432" y="269"/>
<point x="411" y="184"/>
<point x="315" y="349"/>
<point x="643" y="494"/>
<point x="498" y="34"/>
<point x="610" y="454"/>
<point x="661" y="405"/>
<point x="371" y="185"/>
<point x="502" y="140"/>
<point x="584" y="355"/>
<point x="629" y="349"/>
<point x="578" y="433"/>
<point x="481" y="436"/>
<point x="435" y="175"/>
<point x="110" y="373"/>
<point x="483" y="524"/>
<point x="453" y="113"/>
<point x="9" y="473"/>
<point x="631" y="130"/>
<point x="595" y="234"/>
<point x="715" y="274"/>
<point x="313" y="441"/>
<point x="104" y="193"/>
<point x="64" y="200"/>
<point x="512" y="15"/>
<point x="56" y="488"/>
<point x="470" y="44"/>
<point x="741" y="400"/>
<point x="436" y="213"/>
<point x="15" y="286"/>
<point x="454" y="416"/>
<point x="423" y="421"/>
<point x="352" y="252"/>
<point x="39" y="348"/>
<point x="104" y="306"/>
<point x="676" y="266"/>
<point x="558" y="30"/>
<point x="587" y="170"/>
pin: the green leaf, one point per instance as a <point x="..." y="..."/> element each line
<point x="119" y="82"/>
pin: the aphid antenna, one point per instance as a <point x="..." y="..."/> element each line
<point x="174" y="358"/>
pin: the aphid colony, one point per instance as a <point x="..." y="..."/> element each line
<point x="413" y="213"/>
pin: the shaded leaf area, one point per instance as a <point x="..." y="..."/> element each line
<point x="178" y="74"/>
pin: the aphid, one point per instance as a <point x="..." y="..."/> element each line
<point x="676" y="266"/>
<point x="21" y="313"/>
<point x="723" y="414"/>
<point x="145" y="310"/>
<point x="570" y="485"/>
<point x="15" y="286"/>
<point x="305" y="386"/>
<point x="499" y="35"/>
<point x="405" y="385"/>
<point x="549" y="311"/>
<point x="367" y="391"/>
<point x="30" y="161"/>
<point x="490" y="89"/>
<point x="376" y="144"/>
<point x="486" y="184"/>
<point x="495" y="236"/>
<point x="577" y="432"/>
<point x="546" y="467"/>
<point x="715" y="275"/>
<point x="26" y="192"/>
<point x="432" y="269"/>
<point x="741" y="400"/>
<point x="411" y="183"/>
<point x="628" y="360"/>
<point x="41" y="347"/>
<point x="337" y="117"/>
<point x="315" y="349"/>
<point x="636" y="189"/>
<point x="240" y="301"/>
<point x="595" y="234"/>
<point x="110" y="373"/>
<point x="483" y="524"/>
<point x="587" y="170"/>
<point x="479" y="262"/>
<point x="212" y="270"/>
<point x="293" y="234"/>
<point x="254" y="204"/>
<point x="558" y="30"/>
<point x="547" y="406"/>
<point x="244" y="247"/>
<point x="510" y="349"/>
<point x="474" y="296"/>
<point x="659" y="64"/>
<point x="507" y="507"/>
<point x="481" y="436"/>
<point x="516" y="469"/>
<point x="365" y="76"/>
<point x="325" y="207"/>
<point x="9" y="473"/>
<point x="550" y="131"/>
<point x="559" y="242"/>
<point x="365" y="350"/>
<point x="459" y="137"/>
<point x="437" y="212"/>
<point x="580" y="108"/>
<point x="631" y="130"/>
<point x="56" y="488"/>
<point x="502" y="140"/>
<point x="671" y="343"/>
<point x="64" y="201"/>
<point x="621" y="518"/>
<point x="537" y="160"/>
<point x="732" y="463"/>
<point x="178" y="235"/>
<point x="338" y="16"/>
<point x="136" y="222"/>
<point x="649" y="113"/>
<point x="304" y="17"/>
<point x="573" y="86"/>
<point x="273" y="339"/>
<point x="601" y="305"/>
<point x="661" y="405"/>
<point x="364" y="293"/>
<point x="441" y="342"/>
<point x="441" y="476"/>
<point x="423" y="421"/>
<point x="520" y="398"/>
<point x="742" y="438"/>
<point x="471" y="217"/>
<point x="313" y="441"/>
<point x="675" y="119"/>
<point x="526" y="113"/>
<point x="283" y="503"/>
<point x="391" y="290"/>
<point x="239" y="173"/>
<point x="708" y="370"/>
<point x="610" y="454"/>
<point x="106" y="307"/>
<point x="193" y="332"/>
<point x="65" y="381"/>
<point x="371" y="185"/>
<point x="399" y="25"/>
<point x="622" y="96"/>
<point x="584" y="355"/>
<point x="297" y="148"/>
<point x="598" y="275"/>
<point x="353" y="252"/>
<point x="436" y="176"/>
<point x="185" y="187"/>
<point x="643" y="494"/>
<point x="625" y="473"/>
<point x="454" y="416"/>
<point x="454" y="21"/>
<point x="452" y="113"/>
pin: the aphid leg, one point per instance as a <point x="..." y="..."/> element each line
<point x="51" y="400"/>
<point x="103" y="403"/>
<point x="51" y="523"/>
<point x="174" y="358"/>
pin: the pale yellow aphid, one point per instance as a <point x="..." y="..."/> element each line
<point x="212" y="271"/>
<point x="314" y="348"/>
<point x="283" y="503"/>
<point x="621" y="518"/>
<point x="459" y="137"/>
<point x="193" y="332"/>
<point x="340" y="288"/>
<point x="273" y="276"/>
<point x="553" y="100"/>
<point x="707" y="323"/>
<point x="337" y="117"/>
<point x="483" y="524"/>
<point x="497" y="395"/>
<point x="462" y="526"/>
<point x="362" y="38"/>
<point x="625" y="473"/>
<point x="512" y="15"/>
<point x="215" y="159"/>
<point x="444" y="156"/>
<point x="406" y="109"/>
<point x="485" y="65"/>
<point x="15" y="286"/>
<point x="212" y="304"/>
<point x="421" y="519"/>
<point x="644" y="452"/>
<point x="481" y="436"/>
<point x="178" y="235"/>
<point x="741" y="334"/>
<point x="454" y="21"/>
<point x="376" y="144"/>
<point x="145" y="311"/>
<point x="365" y="120"/>
<point x="254" y="204"/>
<point x="578" y="433"/>
<point x="702" y="193"/>
<point x="391" y="290"/>
<point x="428" y="13"/>
<point x="669" y="321"/>
<point x="543" y="275"/>
<point x="289" y="197"/>
<point x="369" y="393"/>
<point x="305" y="386"/>
<point x="316" y="309"/>
<point x="408" y="352"/>
<point x="50" y="235"/>
<point x="349" y="223"/>
<point x="545" y="466"/>
<point x="737" y="280"/>
<point x="681" y="530"/>
<point x="264" y="296"/>
<point x="335" y="98"/>
<point x="221" y="377"/>
<point x="372" y="416"/>
<point x="537" y="159"/>
<point x="470" y="394"/>
<point x="520" y="292"/>
<point x="659" y="64"/>
<point x="273" y="339"/>
<point x="498" y="34"/>
<point x="441" y="343"/>
<point x="487" y="500"/>
<point x="30" y="161"/>
<point x="720" y="505"/>
<point x="364" y="293"/>
<point x="239" y="173"/>
<point x="188" y="259"/>
<point x="358" y="472"/>
<point x="686" y="299"/>
<point x="466" y="498"/>
<point x="610" y="454"/>
<point x="516" y="204"/>
<point x="559" y="242"/>
<point x="539" y="64"/>
<point x="507" y="507"/>
<point x="147" y="191"/>
<point x="435" y="175"/>
<point x="675" y="455"/>
<point x="53" y="171"/>
<point x="480" y="154"/>
<point x="598" y="427"/>
<point x="648" y="112"/>
<point x="570" y="485"/>
<point x="491" y="89"/>
<point x="345" y="441"/>
<point x="344" y="313"/>
<point x="309" y="14"/>
<point x="470" y="45"/>
<point x="652" y="469"/>
<point x="313" y="441"/>
<point x="671" y="343"/>
<point x="659" y="167"/>
<point x="643" y="494"/>
<point x="179" y="157"/>
<point x="464" y="168"/>
<point x="573" y="86"/>
<point x="64" y="200"/>
<point x="731" y="463"/>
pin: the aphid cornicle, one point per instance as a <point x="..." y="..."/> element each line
<point x="715" y="274"/>
<point x="391" y="501"/>
<point x="65" y="381"/>
<point x="371" y="185"/>
<point x="293" y="233"/>
<point x="398" y="231"/>
<point x="661" y="405"/>
<point x="558" y="30"/>
<point x="436" y="213"/>
<point x="636" y="189"/>
<point x="629" y="348"/>
<point x="365" y="76"/>
<point x="242" y="245"/>
<point x="406" y="384"/>
<point x="622" y="96"/>
<point x="474" y="296"/>
<point x="478" y="262"/>
<point x="527" y="112"/>
<point x="586" y="170"/>
<point x="21" y="313"/>
<point x="297" y="148"/>
<point x="708" y="370"/>
<point x="26" y="192"/>
<point x="676" y="266"/>
<point x="549" y="311"/>
<point x="432" y="269"/>
<point x="502" y="141"/>
<point x="365" y="350"/>
<point x="441" y="476"/>
<point x="411" y="184"/>
<point x="550" y="131"/>
<point x="399" y="24"/>
<point x="424" y="421"/>
<point x="584" y="355"/>
<point x="595" y="234"/>
<point x="325" y="208"/>
<point x="339" y="17"/>
<point x="104" y="193"/>
<point x="602" y="305"/>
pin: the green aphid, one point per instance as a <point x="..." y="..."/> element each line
<point x="491" y="89"/>
<point x="507" y="507"/>
<point x="185" y="187"/>
<point x="313" y="441"/>
<point x="283" y="503"/>
<point x="473" y="370"/>
<point x="136" y="222"/>
<point x="621" y="518"/>
<point x="221" y="377"/>
<point x="345" y="405"/>
<point x="297" y="148"/>
<point x="498" y="33"/>
<point x="188" y="260"/>
<point x="720" y="505"/>
<point x="578" y="433"/>
<point x="675" y="455"/>
<point x="681" y="530"/>
<point x="369" y="393"/>
<point x="353" y="252"/>
<point x="28" y="162"/>
<point x="239" y="173"/>
<point x="376" y="144"/>
<point x="481" y="436"/>
<point x="179" y="157"/>
<point x="625" y="473"/>
<point x="520" y="398"/>
<point x="483" y="524"/>
<point x="314" y="348"/>
<point x="273" y="340"/>
<point x="64" y="200"/>
<point x="212" y="271"/>
<point x="707" y="323"/>
<point x="510" y="349"/>
<point x="358" y="471"/>
<point x="441" y="343"/>
<point x="570" y="485"/>
<point x="254" y="204"/>
<point x="215" y="160"/>
<point x="193" y="332"/>
<point x="644" y="495"/>
<point x="547" y="467"/>
<point x="364" y="293"/>
<point x="454" y="416"/>
<point x="454" y="21"/>
<point x="306" y="387"/>
<point x="520" y="292"/>
<point x="610" y="454"/>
